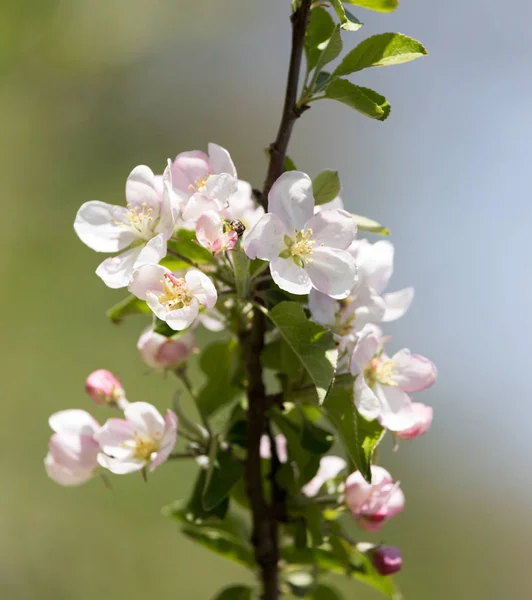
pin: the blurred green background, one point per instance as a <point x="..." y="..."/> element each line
<point x="91" y="88"/>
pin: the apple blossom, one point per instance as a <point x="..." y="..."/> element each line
<point x="382" y="384"/>
<point x="373" y="503"/>
<point x="215" y="233"/>
<point x="160" y="352"/>
<point x="305" y="250"/>
<point x="423" y="419"/>
<point x="173" y="299"/>
<point x="242" y="207"/>
<point x="142" y="439"/>
<point x="104" y="388"/>
<point x="72" y="450"/>
<point x="138" y="233"/>
<point x="280" y="446"/>
<point x="330" y="467"/>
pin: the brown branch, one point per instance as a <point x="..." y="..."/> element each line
<point x="265" y="517"/>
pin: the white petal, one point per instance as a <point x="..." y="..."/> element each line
<point x="147" y="278"/>
<point x="396" y="408"/>
<point x="189" y="168"/>
<point x="212" y="320"/>
<point x="120" y="467"/>
<point x="209" y="228"/>
<point x="116" y="438"/>
<point x="366" y="401"/>
<point x="220" y="160"/>
<point x="413" y="373"/>
<point x="170" y="205"/>
<point x="184" y="317"/>
<point x="65" y="476"/>
<point x="241" y="201"/>
<point x="220" y="187"/>
<point x="375" y="263"/>
<point x="323" y="308"/>
<point x="337" y="204"/>
<point x="152" y="300"/>
<point x="330" y="467"/>
<point x="332" y="228"/>
<point x="289" y="277"/>
<point x="141" y="188"/>
<point x="266" y="239"/>
<point x="74" y="421"/>
<point x="333" y="272"/>
<point x="397" y="303"/>
<point x="116" y="271"/>
<point x="168" y="441"/>
<point x="98" y="225"/>
<point x="201" y="287"/>
<point x="367" y="346"/>
<point x="197" y="205"/>
<point x="291" y="199"/>
<point x="145" y="419"/>
<point x="367" y="306"/>
<point x="153" y="252"/>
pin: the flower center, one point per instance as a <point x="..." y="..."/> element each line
<point x="145" y="447"/>
<point x="139" y="220"/>
<point x="300" y="248"/>
<point x="175" y="294"/>
<point x="380" y="371"/>
<point x="199" y="184"/>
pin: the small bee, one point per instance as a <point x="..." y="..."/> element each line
<point x="238" y="226"/>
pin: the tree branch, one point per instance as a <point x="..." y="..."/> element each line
<point x="265" y="517"/>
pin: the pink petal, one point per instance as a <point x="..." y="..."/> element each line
<point x="220" y="160"/>
<point x="201" y="287"/>
<point x="145" y="419"/>
<point x="413" y="372"/>
<point x="147" y="278"/>
<point x="141" y="189"/>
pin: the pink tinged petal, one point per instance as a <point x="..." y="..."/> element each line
<point x="152" y="300"/>
<point x="141" y="189"/>
<point x="241" y="201"/>
<point x="330" y="467"/>
<point x="65" y="476"/>
<point x="184" y="317"/>
<point x="74" y="421"/>
<point x="199" y="204"/>
<point x="145" y="419"/>
<point x="220" y="160"/>
<point x="220" y="187"/>
<point x="332" y="272"/>
<point x="187" y="169"/>
<point x="266" y="239"/>
<point x="336" y="204"/>
<point x="115" y="438"/>
<point x="209" y="229"/>
<point x="397" y="303"/>
<point x="332" y="228"/>
<point x="423" y="415"/>
<point x="119" y="466"/>
<point x="367" y="403"/>
<point x="170" y="205"/>
<point x="413" y="372"/>
<point x="201" y="288"/>
<point x="367" y="346"/>
<point x="367" y="306"/>
<point x="291" y="199"/>
<point x="323" y="308"/>
<point x="116" y="271"/>
<point x="289" y="277"/>
<point x="168" y="441"/>
<point x="396" y="408"/>
<point x="98" y="226"/>
<point x="153" y="252"/>
<point x="147" y="279"/>
<point x="73" y="451"/>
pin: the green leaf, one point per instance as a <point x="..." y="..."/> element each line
<point x="321" y="80"/>
<point x="330" y="49"/>
<point x="219" y="362"/>
<point x="225" y="475"/>
<point x="320" y="29"/>
<point x="161" y="327"/>
<point x="348" y="21"/>
<point x="325" y="592"/>
<point x="366" y="101"/>
<point x="314" y="438"/>
<point x="378" y="5"/>
<point x="326" y="186"/>
<point x="194" y="511"/>
<point x="289" y="164"/>
<point x="369" y="225"/>
<point x="359" y="436"/>
<point x="128" y="306"/>
<point x="382" y="50"/>
<point x="221" y="542"/>
<point x="236" y="592"/>
<point x="184" y="242"/>
<point x="313" y="344"/>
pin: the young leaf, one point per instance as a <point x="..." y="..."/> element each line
<point x="236" y="592"/>
<point x="325" y="592"/>
<point x="222" y="543"/>
<point x="219" y="362"/>
<point x="225" y="475"/>
<point x="194" y="510"/>
<point x="313" y="344"/>
<point x="380" y="50"/>
<point x="314" y="438"/>
<point x="366" y="101"/>
<point x="326" y="186"/>
<point x="320" y="29"/>
<point x="378" y="5"/>
<point x="348" y="21"/>
<point x="288" y="165"/>
<point x="330" y="49"/>
<point x="369" y="225"/>
<point x="359" y="436"/>
<point x="128" y="306"/>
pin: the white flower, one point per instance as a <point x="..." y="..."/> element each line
<point x="138" y="233"/>
<point x="173" y="299"/>
<point x="215" y="233"/>
<point x="160" y="352"/>
<point x="142" y="439"/>
<point x="305" y="250"/>
<point x="242" y="207"/>
<point x="330" y="467"/>
<point x="72" y="451"/>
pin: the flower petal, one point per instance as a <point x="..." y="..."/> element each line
<point x="332" y="271"/>
<point x="330" y="467"/>
<point x="183" y="317"/>
<point x="187" y="169"/>
<point x="116" y="271"/>
<point x="266" y="239"/>
<point x="220" y="160"/>
<point x="291" y="199"/>
<point x="120" y="467"/>
<point x="220" y="187"/>
<point x="424" y="415"/>
<point x="147" y="278"/>
<point x="145" y="419"/>
<point x="209" y="229"/>
<point x="141" y="190"/>
<point x="413" y="372"/>
<point x="168" y="441"/>
<point x="397" y="303"/>
<point x="337" y="204"/>
<point x="323" y="308"/>
<point x="197" y="205"/>
<point x="396" y="408"/>
<point x="375" y="262"/>
<point x="116" y="438"/>
<point x="366" y="401"/>
<point x="98" y="225"/>
<point x="289" y="277"/>
<point x="201" y="287"/>
<point x="153" y="252"/>
<point x="367" y="347"/>
<point x="332" y="228"/>
<point x="74" y="421"/>
<point x="65" y="476"/>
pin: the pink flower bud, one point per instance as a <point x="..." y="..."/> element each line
<point x="103" y="387"/>
<point x="386" y="559"/>
<point x="373" y="503"/>
<point x="423" y="419"/>
<point x="160" y="352"/>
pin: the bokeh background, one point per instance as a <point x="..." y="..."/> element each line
<point x="89" y="89"/>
